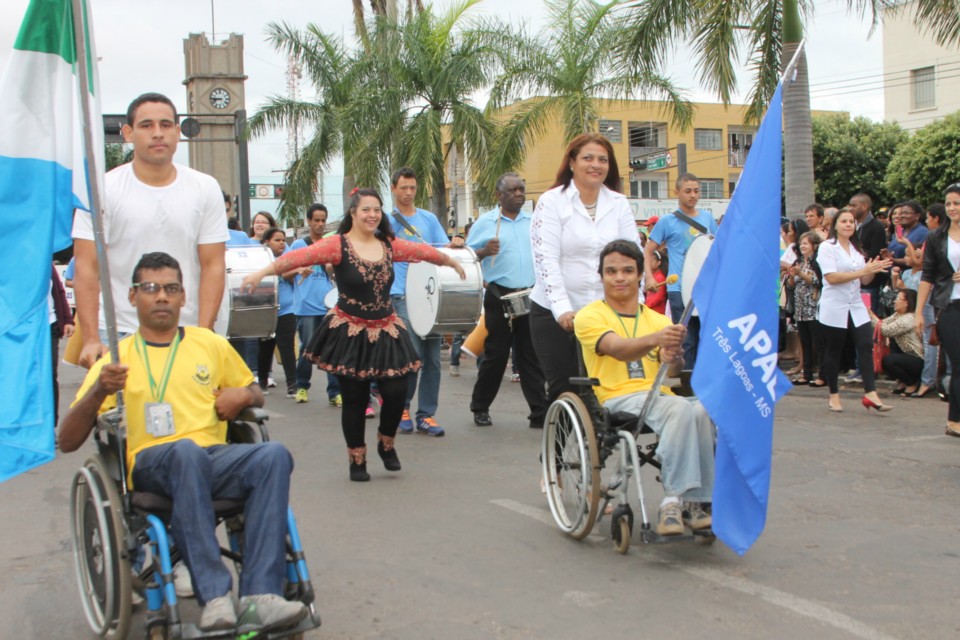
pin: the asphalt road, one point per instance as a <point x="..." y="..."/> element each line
<point x="859" y="540"/>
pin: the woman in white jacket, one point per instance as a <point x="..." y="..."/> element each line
<point x="573" y="221"/>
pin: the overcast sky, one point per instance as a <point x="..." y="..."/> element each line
<point x="141" y="49"/>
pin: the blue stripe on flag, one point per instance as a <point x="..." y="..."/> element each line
<point x="26" y="433"/>
<point x="736" y="375"/>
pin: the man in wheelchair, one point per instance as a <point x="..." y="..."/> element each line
<point x="624" y="344"/>
<point x="180" y="385"/>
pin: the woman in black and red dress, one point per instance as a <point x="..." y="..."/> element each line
<point x="362" y="340"/>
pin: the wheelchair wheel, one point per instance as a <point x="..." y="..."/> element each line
<point x="102" y="569"/>
<point x="621" y="541"/>
<point x="571" y="466"/>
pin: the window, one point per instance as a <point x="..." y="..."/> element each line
<point x="711" y="189"/>
<point x="648" y="185"/>
<point x="739" y="141"/>
<point x="708" y="139"/>
<point x="647" y="135"/>
<point x="612" y="129"/>
<point x="923" y="88"/>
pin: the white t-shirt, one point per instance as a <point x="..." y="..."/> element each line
<point x="953" y="255"/>
<point x="140" y="219"/>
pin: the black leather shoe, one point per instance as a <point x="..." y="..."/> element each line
<point x="482" y="418"/>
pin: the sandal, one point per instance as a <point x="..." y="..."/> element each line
<point x="951" y="432"/>
<point x="794" y="371"/>
<point x="800" y="381"/>
<point x="901" y="389"/>
<point x="816" y="384"/>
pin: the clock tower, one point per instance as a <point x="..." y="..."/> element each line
<point x="215" y="93"/>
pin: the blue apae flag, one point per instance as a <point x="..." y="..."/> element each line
<point x="42" y="180"/>
<point x="736" y="375"/>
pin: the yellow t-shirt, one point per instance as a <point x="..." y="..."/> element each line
<point x="204" y="363"/>
<point x="618" y="378"/>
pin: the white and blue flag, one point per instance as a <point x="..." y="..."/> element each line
<point x="42" y="180"/>
<point x="736" y="375"/>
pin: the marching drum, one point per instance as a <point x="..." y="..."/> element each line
<point x="692" y="264"/>
<point x="516" y="304"/>
<point x="438" y="301"/>
<point x="248" y="314"/>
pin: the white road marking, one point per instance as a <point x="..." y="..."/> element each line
<point x="773" y="596"/>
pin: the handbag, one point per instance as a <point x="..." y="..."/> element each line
<point x="880" y="349"/>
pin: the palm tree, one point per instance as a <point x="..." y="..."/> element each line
<point x="568" y="71"/>
<point x="330" y="69"/>
<point x="771" y="31"/>
<point x="420" y="75"/>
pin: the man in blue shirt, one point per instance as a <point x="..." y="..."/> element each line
<point x="310" y="286"/>
<point x="417" y="225"/>
<point x="501" y="239"/>
<point x="678" y="234"/>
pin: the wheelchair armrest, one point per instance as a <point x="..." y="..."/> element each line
<point x="108" y="423"/>
<point x="241" y="429"/>
<point x="253" y="414"/>
<point x="584" y="382"/>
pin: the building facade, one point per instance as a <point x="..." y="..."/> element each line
<point x="921" y="79"/>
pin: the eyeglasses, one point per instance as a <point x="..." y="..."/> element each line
<point x="152" y="288"/>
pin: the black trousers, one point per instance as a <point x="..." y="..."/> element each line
<point x="811" y="341"/>
<point x="948" y="328"/>
<point x="286" y="330"/>
<point x="356" y="396"/>
<point x="556" y="350"/>
<point x="835" y="337"/>
<point x="906" y="368"/>
<point x="501" y="333"/>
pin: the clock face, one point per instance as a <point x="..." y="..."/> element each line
<point x="219" y="98"/>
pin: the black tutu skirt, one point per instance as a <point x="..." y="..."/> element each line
<point x="362" y="349"/>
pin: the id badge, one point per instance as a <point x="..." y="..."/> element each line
<point x="158" y="418"/>
<point x="635" y="370"/>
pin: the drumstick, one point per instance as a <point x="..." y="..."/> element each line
<point x="671" y="279"/>
<point x="496" y="236"/>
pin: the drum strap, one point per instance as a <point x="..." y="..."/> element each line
<point x="406" y="225"/>
<point x="690" y="221"/>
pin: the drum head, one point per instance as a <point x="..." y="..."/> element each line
<point x="692" y="264"/>
<point x="330" y="300"/>
<point x="423" y="296"/>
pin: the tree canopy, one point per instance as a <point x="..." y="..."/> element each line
<point x="927" y="162"/>
<point x="852" y="156"/>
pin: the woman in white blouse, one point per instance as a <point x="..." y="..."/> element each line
<point x="573" y="221"/>
<point x="841" y="307"/>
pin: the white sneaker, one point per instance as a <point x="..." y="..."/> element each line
<point x="454" y="371"/>
<point x="181" y="580"/>
<point x="219" y="613"/>
<point x="270" y="382"/>
<point x="269" y="611"/>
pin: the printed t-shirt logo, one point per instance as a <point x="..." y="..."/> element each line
<point x="202" y="376"/>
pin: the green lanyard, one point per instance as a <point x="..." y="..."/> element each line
<point x="160" y="390"/>
<point x="636" y="320"/>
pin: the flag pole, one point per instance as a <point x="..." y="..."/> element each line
<point x="794" y="61"/>
<point x="654" y="392"/>
<point x="96" y="208"/>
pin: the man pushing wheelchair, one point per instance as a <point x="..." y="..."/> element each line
<point x="624" y="344"/>
<point x="180" y="386"/>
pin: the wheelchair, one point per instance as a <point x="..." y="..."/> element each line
<point x="111" y="523"/>
<point x="579" y="438"/>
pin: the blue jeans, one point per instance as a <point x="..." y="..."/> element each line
<point x="192" y="477"/>
<point x="455" y="349"/>
<point x="428" y="350"/>
<point x="929" y="376"/>
<point x="249" y="349"/>
<point x="687" y="439"/>
<point x="691" y="344"/>
<point x="306" y="327"/>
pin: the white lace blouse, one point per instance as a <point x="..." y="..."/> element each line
<point x="567" y="243"/>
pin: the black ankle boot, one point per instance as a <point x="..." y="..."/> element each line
<point x="387" y="453"/>
<point x="358" y="464"/>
